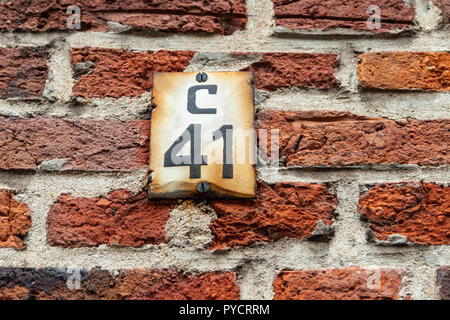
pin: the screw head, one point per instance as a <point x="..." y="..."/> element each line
<point x="201" y="77"/>
<point x="203" y="187"/>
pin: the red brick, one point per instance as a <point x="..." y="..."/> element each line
<point x="337" y="139"/>
<point x="338" y="284"/>
<point x="419" y="211"/>
<point x="302" y="70"/>
<point x="173" y="285"/>
<point x="428" y="71"/>
<point x="283" y="210"/>
<point x="23" y="72"/>
<point x="93" y="145"/>
<point x="121" y="219"/>
<point x="332" y="14"/>
<point x="222" y="16"/>
<point x="118" y="73"/>
<point x="15" y="221"/>
<point x="443" y="282"/>
<point x="444" y="5"/>
<point x="135" y="284"/>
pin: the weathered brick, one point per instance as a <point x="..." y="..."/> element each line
<point x="443" y="282"/>
<point x="23" y="72"/>
<point x="428" y="71"/>
<point x="303" y="70"/>
<point x="64" y="144"/>
<point x="322" y="15"/>
<point x="336" y="139"/>
<point x="120" y="219"/>
<point x="222" y="16"/>
<point x="419" y="211"/>
<point x="118" y="73"/>
<point x="15" y="221"/>
<point x="135" y="284"/>
<point x="444" y="5"/>
<point x="283" y="210"/>
<point x="338" y="284"/>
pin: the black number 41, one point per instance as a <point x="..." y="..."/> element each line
<point x="196" y="160"/>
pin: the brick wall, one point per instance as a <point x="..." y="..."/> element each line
<point x="358" y="209"/>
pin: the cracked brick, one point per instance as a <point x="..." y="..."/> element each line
<point x="324" y="15"/>
<point x="121" y="219"/>
<point x="426" y="71"/>
<point x="293" y="210"/>
<point x="341" y="139"/>
<point x="418" y="211"/>
<point x="118" y="73"/>
<point x="133" y="284"/>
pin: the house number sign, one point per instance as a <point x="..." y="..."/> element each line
<point x="202" y="135"/>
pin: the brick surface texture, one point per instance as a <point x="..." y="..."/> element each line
<point x="338" y="284"/>
<point x="333" y="14"/>
<point x="118" y="73"/>
<point x="222" y="17"/>
<point x="419" y="211"/>
<point x="356" y="206"/>
<point x="443" y="282"/>
<point x="283" y="210"/>
<point x="284" y="70"/>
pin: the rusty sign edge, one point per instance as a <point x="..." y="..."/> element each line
<point x="215" y="192"/>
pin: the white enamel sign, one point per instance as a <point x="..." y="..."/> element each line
<point x="202" y="135"/>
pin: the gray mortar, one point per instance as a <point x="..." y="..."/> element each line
<point x="216" y="61"/>
<point x="123" y="109"/>
<point x="188" y="227"/>
<point x="60" y="81"/>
